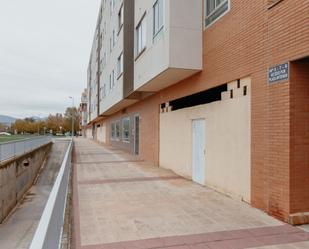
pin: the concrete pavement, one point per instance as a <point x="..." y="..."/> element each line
<point x="121" y="202"/>
<point x="18" y="230"/>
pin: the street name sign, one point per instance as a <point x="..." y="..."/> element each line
<point x="278" y="73"/>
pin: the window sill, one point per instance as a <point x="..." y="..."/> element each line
<point x="126" y="142"/>
<point x="140" y="53"/>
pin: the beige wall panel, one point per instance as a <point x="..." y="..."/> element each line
<point x="101" y="133"/>
<point x="227" y="144"/>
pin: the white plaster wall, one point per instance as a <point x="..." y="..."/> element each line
<point x="186" y="36"/>
<point x="228" y="144"/>
<point x="93" y="83"/>
<point x="178" y="45"/>
<point x="155" y="59"/>
<point x="114" y="95"/>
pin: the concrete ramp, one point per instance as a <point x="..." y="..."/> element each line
<point x="18" y="229"/>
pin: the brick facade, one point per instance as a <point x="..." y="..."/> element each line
<point x="246" y="41"/>
<point x="299" y="137"/>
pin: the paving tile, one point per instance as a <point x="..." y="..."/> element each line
<point x="199" y="246"/>
<point x="244" y="243"/>
<point x="125" y="203"/>
<point x="177" y="247"/>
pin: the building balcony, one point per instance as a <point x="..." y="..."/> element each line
<point x="175" y="51"/>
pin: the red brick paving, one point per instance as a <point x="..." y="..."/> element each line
<point x="237" y="239"/>
<point x="135" y="179"/>
<point x="76" y="240"/>
<point x="122" y="161"/>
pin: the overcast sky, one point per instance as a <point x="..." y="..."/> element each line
<point x="44" y="52"/>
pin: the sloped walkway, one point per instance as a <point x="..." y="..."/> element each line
<point x="121" y="203"/>
<point x="19" y="228"/>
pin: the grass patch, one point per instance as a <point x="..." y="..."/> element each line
<point x="4" y="139"/>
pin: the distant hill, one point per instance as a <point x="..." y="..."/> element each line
<point x="7" y="120"/>
<point x="36" y="118"/>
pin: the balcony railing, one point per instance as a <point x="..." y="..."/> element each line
<point x="49" y="231"/>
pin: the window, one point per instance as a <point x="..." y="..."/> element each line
<point x="126" y="129"/>
<point x="141" y="35"/>
<point x="110" y="82"/>
<point x="120" y="65"/>
<point x="101" y="66"/>
<point x="112" y="6"/>
<point x="114" y="38"/>
<point x="110" y="44"/>
<point x="215" y="9"/>
<point x="157" y="17"/>
<point x="113" y="78"/>
<point x="104" y="60"/>
<point x="113" y="131"/>
<point x="120" y="18"/>
<point x="103" y="93"/>
<point x="117" y="128"/>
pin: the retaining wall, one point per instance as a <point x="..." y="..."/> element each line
<point x="17" y="176"/>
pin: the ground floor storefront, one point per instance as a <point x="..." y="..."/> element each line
<point x="246" y="138"/>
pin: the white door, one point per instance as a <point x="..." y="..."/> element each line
<point x="198" y="151"/>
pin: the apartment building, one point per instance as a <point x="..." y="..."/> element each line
<point x="83" y="114"/>
<point x="215" y="90"/>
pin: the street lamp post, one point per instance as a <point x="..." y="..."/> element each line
<point x="72" y="130"/>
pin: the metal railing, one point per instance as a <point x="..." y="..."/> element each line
<point x="13" y="149"/>
<point x="49" y="231"/>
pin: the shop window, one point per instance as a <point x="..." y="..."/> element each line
<point x="126" y="130"/>
<point x="117" y="130"/>
<point x="113" y="131"/>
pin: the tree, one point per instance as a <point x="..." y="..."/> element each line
<point x="55" y="123"/>
<point x="2" y="127"/>
<point x="69" y="113"/>
<point x="20" y="126"/>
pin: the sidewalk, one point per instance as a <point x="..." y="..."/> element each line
<point x="122" y="203"/>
